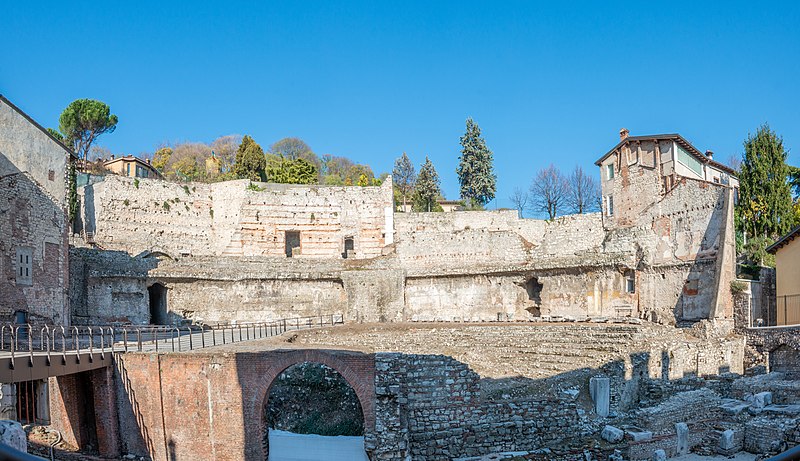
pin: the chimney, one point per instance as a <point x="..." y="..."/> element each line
<point x="710" y="155"/>
<point x="148" y="161"/>
<point x="112" y="156"/>
<point x="623" y="134"/>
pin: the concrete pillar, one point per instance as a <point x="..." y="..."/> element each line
<point x="600" y="391"/>
<point x="8" y="401"/>
<point x="43" y="402"/>
<point x="682" y="441"/>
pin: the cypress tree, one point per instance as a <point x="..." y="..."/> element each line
<point x="250" y="160"/>
<point x="427" y="189"/>
<point x="765" y="196"/>
<point x="475" y="168"/>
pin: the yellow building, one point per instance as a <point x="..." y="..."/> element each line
<point x="787" y="277"/>
<point x="131" y="166"/>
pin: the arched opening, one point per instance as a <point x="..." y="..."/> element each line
<point x="313" y="413"/>
<point x="533" y="288"/>
<point x="158" y="304"/>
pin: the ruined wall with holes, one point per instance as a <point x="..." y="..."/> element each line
<point x="231" y="219"/>
<point x="666" y="255"/>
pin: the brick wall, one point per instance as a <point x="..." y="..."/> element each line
<point x="33" y="220"/>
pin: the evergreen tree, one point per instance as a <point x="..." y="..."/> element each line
<point x="475" y="169"/>
<point x="765" y="196"/>
<point x="427" y="189"/>
<point x="82" y="122"/>
<point x="404" y="176"/>
<point x="285" y="171"/>
<point x="250" y="160"/>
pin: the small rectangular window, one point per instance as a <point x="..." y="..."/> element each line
<point x="630" y="282"/>
<point x="610" y="205"/>
<point x="24" y="270"/>
<point x="292" y="243"/>
<point x="610" y="171"/>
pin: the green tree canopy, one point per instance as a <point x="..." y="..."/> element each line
<point x="83" y="121"/>
<point x="250" y="160"/>
<point x="291" y="148"/>
<point x="475" y="168"/>
<point x="285" y="171"/>
<point x="427" y="188"/>
<point x="404" y="176"/>
<point x="161" y="157"/>
<point x="765" y="196"/>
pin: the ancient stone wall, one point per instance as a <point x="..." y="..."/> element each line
<point x="108" y="287"/>
<point x="234" y="219"/>
<point x="443" y="416"/>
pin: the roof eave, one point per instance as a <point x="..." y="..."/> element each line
<point x="40" y="127"/>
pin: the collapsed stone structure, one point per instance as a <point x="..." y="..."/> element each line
<point x="661" y="250"/>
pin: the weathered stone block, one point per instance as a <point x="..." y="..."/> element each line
<point x="612" y="434"/>
<point x="600" y="390"/>
<point x="682" y="442"/>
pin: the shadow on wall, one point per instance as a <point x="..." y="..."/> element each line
<point x="698" y="297"/>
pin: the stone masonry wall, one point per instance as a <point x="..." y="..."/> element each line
<point x="138" y="215"/>
<point x="442" y="415"/>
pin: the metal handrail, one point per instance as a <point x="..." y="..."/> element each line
<point x="23" y="340"/>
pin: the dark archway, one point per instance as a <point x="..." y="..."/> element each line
<point x="158" y="304"/>
<point x="312" y="398"/>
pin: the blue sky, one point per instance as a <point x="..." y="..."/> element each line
<point x="546" y="81"/>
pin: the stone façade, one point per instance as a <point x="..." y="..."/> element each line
<point x="221" y="252"/>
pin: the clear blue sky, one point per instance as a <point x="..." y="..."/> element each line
<point x="547" y="82"/>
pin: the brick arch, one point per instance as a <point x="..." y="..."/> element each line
<point x="357" y="369"/>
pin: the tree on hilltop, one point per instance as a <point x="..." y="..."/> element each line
<point x="427" y="190"/>
<point x="250" y="160"/>
<point x="583" y="192"/>
<point x="765" y="196"/>
<point x="404" y="176"/>
<point x="82" y="122"/>
<point x="285" y="171"/>
<point x="549" y="191"/>
<point x="475" y="168"/>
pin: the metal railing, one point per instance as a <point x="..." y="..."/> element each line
<point x="54" y="341"/>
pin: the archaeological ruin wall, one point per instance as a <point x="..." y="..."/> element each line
<point x="237" y="218"/>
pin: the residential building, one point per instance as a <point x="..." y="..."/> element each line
<point x="132" y="167"/>
<point x="787" y="278"/>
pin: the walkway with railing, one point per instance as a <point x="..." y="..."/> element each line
<point x="29" y="352"/>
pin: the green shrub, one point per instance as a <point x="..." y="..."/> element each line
<point x="136" y="183"/>
<point x="165" y="205"/>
